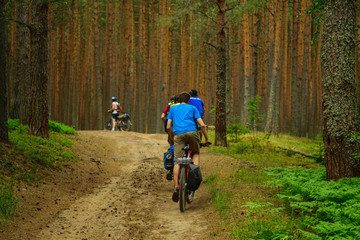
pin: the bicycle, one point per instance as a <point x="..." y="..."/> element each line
<point x="185" y="195"/>
<point x="123" y="123"/>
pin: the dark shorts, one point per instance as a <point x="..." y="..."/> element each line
<point x="189" y="138"/>
<point x="115" y="115"/>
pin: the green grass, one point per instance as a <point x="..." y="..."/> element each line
<point x="53" y="152"/>
<point x="243" y="194"/>
<point x="8" y="203"/>
<point x="23" y="159"/>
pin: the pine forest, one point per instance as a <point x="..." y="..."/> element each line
<point x="144" y="52"/>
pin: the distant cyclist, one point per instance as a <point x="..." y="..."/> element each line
<point x="182" y="128"/>
<point x="198" y="103"/>
<point x="174" y="100"/>
<point x="115" y="109"/>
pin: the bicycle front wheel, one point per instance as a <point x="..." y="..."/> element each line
<point x="108" y="124"/>
<point x="182" y="190"/>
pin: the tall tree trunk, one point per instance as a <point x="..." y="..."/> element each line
<point x="274" y="76"/>
<point x="85" y="106"/>
<point x="341" y="119"/>
<point x="21" y="63"/>
<point x="39" y="108"/>
<point x="247" y="68"/>
<point x="220" y="122"/>
<point x="294" y="100"/>
<point x="228" y="76"/>
<point x="3" y="96"/>
<point x="99" y="110"/>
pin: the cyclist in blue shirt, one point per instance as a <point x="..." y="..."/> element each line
<point x="182" y="126"/>
<point x="197" y="102"/>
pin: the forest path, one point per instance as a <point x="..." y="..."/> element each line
<point x="134" y="202"/>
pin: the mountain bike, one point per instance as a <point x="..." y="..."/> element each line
<point x="123" y="123"/>
<point x="185" y="195"/>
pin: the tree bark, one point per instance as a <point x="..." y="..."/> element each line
<point x="39" y="108"/>
<point x="20" y="106"/>
<point x="220" y="121"/>
<point x="272" y="120"/>
<point x="341" y="119"/>
<point x="3" y="96"/>
<point x="99" y="110"/>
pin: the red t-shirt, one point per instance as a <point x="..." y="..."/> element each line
<point x="167" y="109"/>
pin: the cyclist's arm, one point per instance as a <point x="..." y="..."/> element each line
<point x="203" y="130"/>
<point x="163" y="117"/>
<point x="112" y="108"/>
<point x="169" y="129"/>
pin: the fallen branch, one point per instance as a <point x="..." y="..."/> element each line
<point x="299" y="152"/>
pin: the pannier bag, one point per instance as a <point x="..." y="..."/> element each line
<point x="194" y="178"/>
<point x="169" y="158"/>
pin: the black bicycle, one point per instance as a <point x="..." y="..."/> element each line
<point x="185" y="195"/>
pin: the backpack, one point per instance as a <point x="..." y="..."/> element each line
<point x="117" y="107"/>
<point x="194" y="178"/>
<point x="169" y="158"/>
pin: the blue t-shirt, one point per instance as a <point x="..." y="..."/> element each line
<point x="198" y="103"/>
<point x="183" y="117"/>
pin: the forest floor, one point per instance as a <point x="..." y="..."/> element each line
<point x="115" y="190"/>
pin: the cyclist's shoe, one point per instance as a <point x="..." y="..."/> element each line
<point x="190" y="197"/>
<point x="175" y="196"/>
<point x="169" y="175"/>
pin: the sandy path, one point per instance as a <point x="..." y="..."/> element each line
<point x="136" y="202"/>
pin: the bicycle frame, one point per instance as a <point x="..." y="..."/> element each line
<point x="183" y="177"/>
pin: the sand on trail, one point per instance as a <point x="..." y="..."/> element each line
<point x="122" y="193"/>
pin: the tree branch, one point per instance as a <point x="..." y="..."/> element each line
<point x="218" y="6"/>
<point x="270" y="11"/>
<point x="299" y="152"/>
<point x="212" y="45"/>
<point x="229" y="9"/>
<point x="20" y="22"/>
<point x="208" y="16"/>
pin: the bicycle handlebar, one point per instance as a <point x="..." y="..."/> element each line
<point x="203" y="144"/>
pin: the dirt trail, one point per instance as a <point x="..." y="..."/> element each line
<point x="134" y="199"/>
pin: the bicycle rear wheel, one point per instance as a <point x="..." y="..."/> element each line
<point x="182" y="190"/>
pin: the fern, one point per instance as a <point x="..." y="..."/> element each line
<point x="329" y="209"/>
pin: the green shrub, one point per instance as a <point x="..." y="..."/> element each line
<point x="14" y="124"/>
<point x="234" y="130"/>
<point x="60" y="128"/>
<point x="242" y="147"/>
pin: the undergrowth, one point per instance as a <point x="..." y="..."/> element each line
<point x="25" y="156"/>
<point x="329" y="209"/>
<point x="254" y="206"/>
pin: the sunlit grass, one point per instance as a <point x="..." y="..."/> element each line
<point x="248" y="206"/>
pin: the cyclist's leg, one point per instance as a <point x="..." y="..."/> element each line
<point x="194" y="143"/>
<point x="113" y="121"/>
<point x="179" y="144"/>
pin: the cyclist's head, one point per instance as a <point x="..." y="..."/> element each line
<point x="177" y="98"/>
<point x="184" y="97"/>
<point x="193" y="93"/>
<point x="172" y="99"/>
<point x="113" y="98"/>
